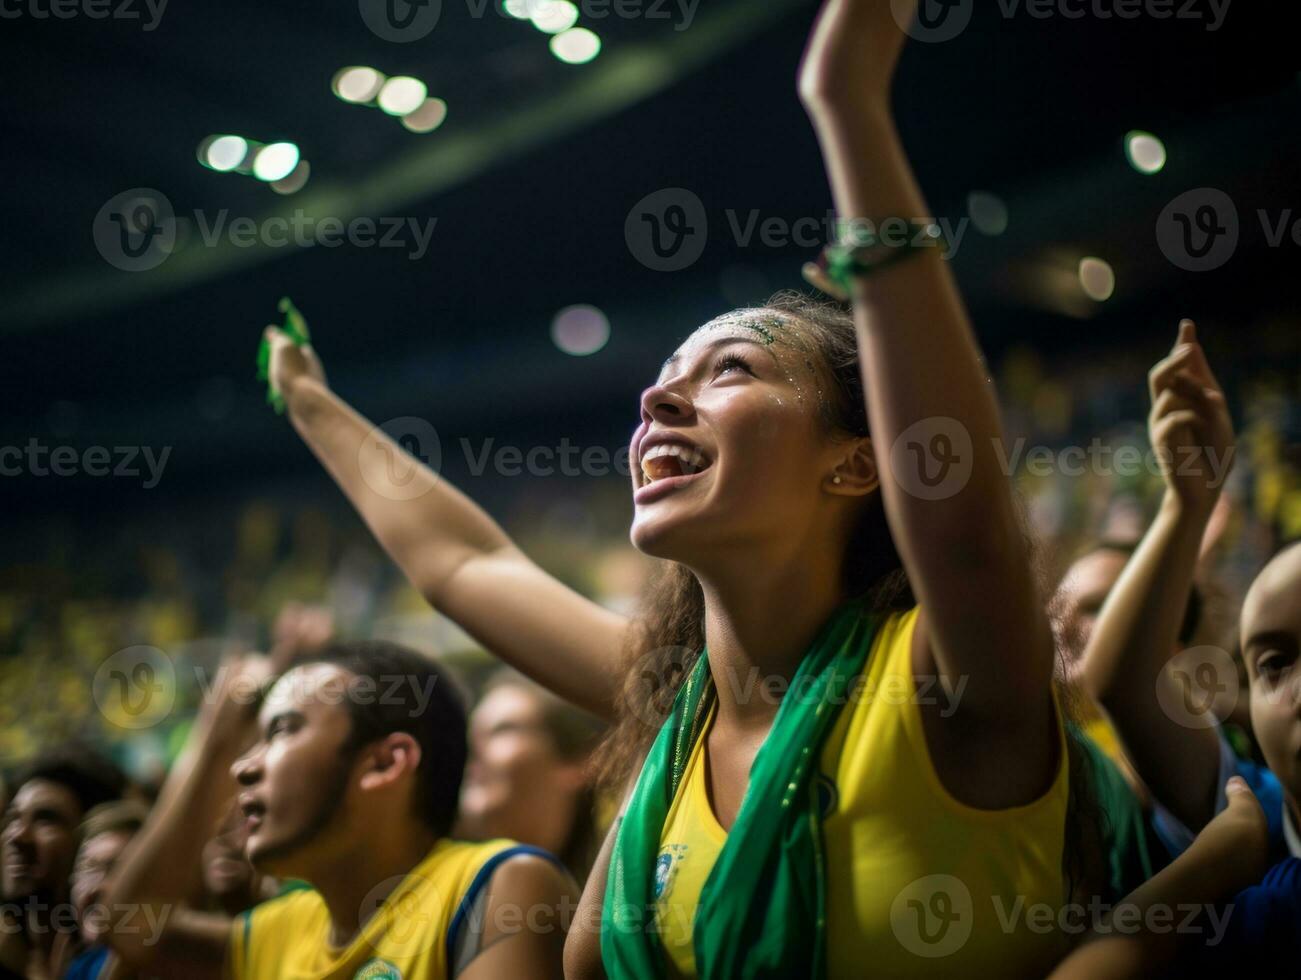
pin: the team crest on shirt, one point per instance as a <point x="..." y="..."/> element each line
<point x="377" y="970"/>
<point x="666" y="866"/>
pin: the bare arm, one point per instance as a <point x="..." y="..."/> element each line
<point x="1125" y="665"/>
<point x="583" y="945"/>
<point x="450" y="550"/>
<point x="1228" y="856"/>
<point x="962" y="546"/>
<point x="529" y="901"/>
<point x="161" y="868"/>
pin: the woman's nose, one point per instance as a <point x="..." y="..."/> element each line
<point x="662" y="404"/>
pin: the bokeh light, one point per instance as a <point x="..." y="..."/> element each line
<point x="1145" y="152"/>
<point x="224" y="153"/>
<point x="988" y="212"/>
<point x="1097" y="278"/>
<point x="358" y="84"/>
<point x="275" y="161"/>
<point x="401" y="95"/>
<point x="580" y="330"/>
<point x="296" y="181"/>
<point x="575" y="46"/>
<point x="554" y="16"/>
<point x="428" y="117"/>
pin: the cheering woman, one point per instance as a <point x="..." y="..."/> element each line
<point x="856" y="755"/>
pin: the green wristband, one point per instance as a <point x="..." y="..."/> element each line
<point x="860" y="252"/>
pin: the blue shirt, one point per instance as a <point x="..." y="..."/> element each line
<point x="87" y="964"/>
<point x="1263" y="933"/>
<point x="1269" y="791"/>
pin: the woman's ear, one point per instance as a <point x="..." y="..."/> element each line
<point x="854" y="472"/>
<point x="390" y="759"/>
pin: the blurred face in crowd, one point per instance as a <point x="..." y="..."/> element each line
<point x="295" y="782"/>
<point x="732" y="446"/>
<point x="40" y="839"/>
<point x="1271" y="635"/>
<point x="226" y="872"/>
<point x="91" y="879"/>
<point x="1082" y="592"/>
<point x="515" y="772"/>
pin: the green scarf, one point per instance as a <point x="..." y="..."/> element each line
<point x="762" y="909"/>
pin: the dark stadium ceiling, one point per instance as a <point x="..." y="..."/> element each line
<point x="532" y="177"/>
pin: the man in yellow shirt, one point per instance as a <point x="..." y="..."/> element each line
<point x="350" y="784"/>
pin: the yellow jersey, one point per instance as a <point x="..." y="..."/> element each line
<point x="407" y="937"/>
<point x="918" y="884"/>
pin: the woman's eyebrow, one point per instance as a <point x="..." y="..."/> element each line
<point x="713" y="344"/>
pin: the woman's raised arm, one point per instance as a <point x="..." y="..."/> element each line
<point x="932" y="409"/>
<point x="457" y="556"/>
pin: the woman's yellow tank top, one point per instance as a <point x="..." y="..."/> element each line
<point x="918" y="884"/>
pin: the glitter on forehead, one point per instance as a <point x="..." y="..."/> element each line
<point x="779" y="333"/>
<point x="762" y="322"/>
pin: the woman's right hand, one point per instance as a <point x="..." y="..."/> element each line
<point x="291" y="363"/>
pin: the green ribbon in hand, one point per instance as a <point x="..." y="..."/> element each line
<point x="295" y="328"/>
<point x="762" y="910"/>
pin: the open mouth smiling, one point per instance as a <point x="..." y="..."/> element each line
<point x="667" y="463"/>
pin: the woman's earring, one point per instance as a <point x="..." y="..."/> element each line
<point x="836" y="478"/>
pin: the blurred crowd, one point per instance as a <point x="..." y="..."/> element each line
<point x="83" y="767"/>
<point x="193" y="584"/>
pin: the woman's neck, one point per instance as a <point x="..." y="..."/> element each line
<point x="759" y="623"/>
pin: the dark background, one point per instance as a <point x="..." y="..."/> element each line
<point x="1032" y="110"/>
